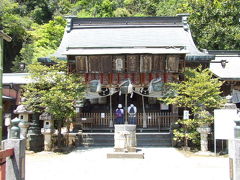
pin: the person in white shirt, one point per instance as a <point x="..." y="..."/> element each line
<point x="132" y="111"/>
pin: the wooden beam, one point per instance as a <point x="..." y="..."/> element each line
<point x="6" y="153"/>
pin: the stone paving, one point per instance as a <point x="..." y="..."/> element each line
<point x="159" y="163"/>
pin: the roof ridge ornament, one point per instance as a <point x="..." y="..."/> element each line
<point x="69" y="22"/>
<point x="184" y="20"/>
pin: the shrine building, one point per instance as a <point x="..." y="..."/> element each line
<point x="127" y="61"/>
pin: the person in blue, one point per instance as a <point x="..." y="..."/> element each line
<point x="132" y="111"/>
<point x="119" y="113"/>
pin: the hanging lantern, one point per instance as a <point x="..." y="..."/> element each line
<point x="124" y="87"/>
<point x="95" y="86"/>
<point x="156" y="85"/>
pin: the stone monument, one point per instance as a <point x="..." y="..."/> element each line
<point x="204" y="131"/>
<point x="35" y="140"/>
<point x="47" y="130"/>
<point x="125" y="142"/>
<point x="23" y="115"/>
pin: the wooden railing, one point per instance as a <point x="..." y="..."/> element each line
<point x="160" y="120"/>
<point x="3" y="155"/>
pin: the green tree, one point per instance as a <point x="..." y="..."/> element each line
<point x="214" y="24"/>
<point x="44" y="41"/>
<point x="169" y="7"/>
<point x="53" y="90"/>
<point x="197" y="92"/>
<point x="15" y="24"/>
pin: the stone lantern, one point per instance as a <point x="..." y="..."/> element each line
<point x="23" y="115"/>
<point x="15" y="131"/>
<point x="47" y="130"/>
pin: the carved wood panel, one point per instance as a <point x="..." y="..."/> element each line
<point x="118" y="63"/>
<point x="81" y="64"/>
<point x="133" y="63"/>
<point x="146" y="63"/>
<point x="158" y="64"/>
<point x="172" y="63"/>
<point x="105" y="64"/>
<point x="100" y="64"/>
<point x="93" y="64"/>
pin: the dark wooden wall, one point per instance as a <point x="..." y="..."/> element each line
<point x="141" y="69"/>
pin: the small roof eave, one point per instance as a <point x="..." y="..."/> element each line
<point x="199" y="57"/>
<point x="231" y="79"/>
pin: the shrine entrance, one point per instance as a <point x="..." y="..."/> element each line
<point x="151" y="113"/>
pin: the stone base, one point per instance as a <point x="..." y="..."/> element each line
<point x="136" y="155"/>
<point x="129" y="149"/>
<point x="35" y="142"/>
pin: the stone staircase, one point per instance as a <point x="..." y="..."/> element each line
<point x="151" y="139"/>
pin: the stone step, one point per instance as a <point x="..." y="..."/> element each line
<point x="143" y="139"/>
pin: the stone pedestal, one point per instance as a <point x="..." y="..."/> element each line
<point x="125" y="138"/>
<point x="23" y="128"/>
<point x="35" y="142"/>
<point x="204" y="131"/>
<point x="48" y="145"/>
<point x="47" y="130"/>
<point x="125" y="142"/>
<point x="15" y="166"/>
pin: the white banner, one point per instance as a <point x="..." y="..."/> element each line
<point x="224" y="123"/>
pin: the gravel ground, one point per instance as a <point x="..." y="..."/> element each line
<point x="159" y="163"/>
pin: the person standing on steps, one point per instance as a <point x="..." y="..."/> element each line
<point x="119" y="114"/>
<point x="132" y="111"/>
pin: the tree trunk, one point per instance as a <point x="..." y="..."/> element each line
<point x="59" y="126"/>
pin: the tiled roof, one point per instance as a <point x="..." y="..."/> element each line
<point x="15" y="78"/>
<point x="231" y="70"/>
<point x="140" y="32"/>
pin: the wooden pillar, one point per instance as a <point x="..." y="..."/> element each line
<point x="111" y="115"/>
<point x="144" y="114"/>
<point x="126" y="109"/>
